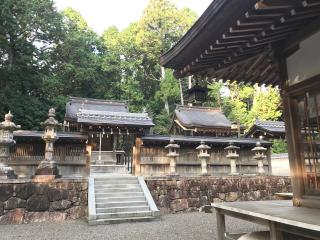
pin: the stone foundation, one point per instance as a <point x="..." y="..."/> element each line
<point x="27" y="201"/>
<point x="185" y="194"/>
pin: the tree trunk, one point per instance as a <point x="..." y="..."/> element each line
<point x="11" y="54"/>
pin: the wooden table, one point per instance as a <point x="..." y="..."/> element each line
<point x="280" y="216"/>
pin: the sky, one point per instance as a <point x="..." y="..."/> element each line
<point x="100" y="14"/>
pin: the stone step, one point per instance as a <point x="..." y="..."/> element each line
<point x="123" y="209"/>
<point x="119" y="194"/>
<point x="123" y="215"/>
<point x="117" y="185"/>
<point x="108" y="169"/>
<point x="104" y="162"/>
<point x="119" y="199"/>
<point x="117" y="177"/>
<point x="115" y="181"/>
<point x="122" y="184"/>
<point x="121" y="204"/>
<point x="115" y="190"/>
<point x="121" y="220"/>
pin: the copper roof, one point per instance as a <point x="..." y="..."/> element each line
<point x="201" y="117"/>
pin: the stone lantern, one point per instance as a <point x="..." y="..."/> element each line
<point x="203" y="157"/>
<point x="259" y="155"/>
<point x="6" y="140"/>
<point x="233" y="155"/>
<point x="173" y="154"/>
<point x="47" y="168"/>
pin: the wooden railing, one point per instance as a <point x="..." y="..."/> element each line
<point x="32" y="154"/>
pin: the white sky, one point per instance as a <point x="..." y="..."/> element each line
<point x="101" y="14"/>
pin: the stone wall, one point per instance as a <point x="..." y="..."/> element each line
<point x="26" y="201"/>
<point x="184" y="194"/>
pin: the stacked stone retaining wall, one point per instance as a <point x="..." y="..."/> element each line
<point x="185" y="194"/>
<point x="26" y="201"/>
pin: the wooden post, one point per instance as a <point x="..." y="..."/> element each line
<point x="136" y="169"/>
<point x="275" y="234"/>
<point x="294" y="146"/>
<point x="100" y="140"/>
<point x="88" y="158"/>
<point x="221" y="225"/>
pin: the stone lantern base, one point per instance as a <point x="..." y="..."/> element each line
<point x="46" y="173"/>
<point x="7" y="173"/>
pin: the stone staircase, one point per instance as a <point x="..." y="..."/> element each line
<point x="115" y="198"/>
<point x="107" y="164"/>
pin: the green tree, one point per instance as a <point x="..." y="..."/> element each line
<point x="29" y="31"/>
<point x="246" y="103"/>
<point x="279" y="146"/>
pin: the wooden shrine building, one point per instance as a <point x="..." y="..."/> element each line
<point x="201" y="121"/>
<point x="111" y="128"/>
<point x="267" y="129"/>
<point x="272" y="43"/>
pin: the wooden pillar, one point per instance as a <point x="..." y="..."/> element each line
<point x="221" y="225"/>
<point x="275" y="234"/>
<point x="294" y="146"/>
<point x="114" y="146"/>
<point x="88" y="158"/>
<point x="136" y="168"/>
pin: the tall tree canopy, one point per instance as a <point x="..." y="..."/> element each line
<point x="46" y="55"/>
<point x="245" y="103"/>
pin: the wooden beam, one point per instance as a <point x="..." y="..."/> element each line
<point x="242" y="23"/>
<point x="304" y="33"/>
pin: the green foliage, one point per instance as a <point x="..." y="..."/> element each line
<point x="163" y="123"/>
<point x="29" y="30"/>
<point x="246" y="103"/>
<point x="214" y="94"/>
<point x="279" y="146"/>
<point x="45" y="56"/>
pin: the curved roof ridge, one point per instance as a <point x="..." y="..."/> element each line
<point x="97" y="101"/>
<point x="198" y="108"/>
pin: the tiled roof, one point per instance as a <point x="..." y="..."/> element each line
<point x="272" y="127"/>
<point x="197" y="117"/>
<point x="114" y="118"/>
<point x="75" y="104"/>
<point x="96" y="111"/>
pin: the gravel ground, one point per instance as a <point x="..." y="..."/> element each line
<point x="176" y="226"/>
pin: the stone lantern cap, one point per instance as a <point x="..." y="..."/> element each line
<point x="232" y="151"/>
<point x="259" y="148"/>
<point x="172" y="144"/>
<point x="259" y="151"/>
<point x="51" y="121"/>
<point x="7" y="124"/>
<point x="231" y="147"/>
<point x="203" y="146"/>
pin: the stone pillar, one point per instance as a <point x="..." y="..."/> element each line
<point x="172" y="147"/>
<point x="259" y="155"/>
<point x="233" y="155"/>
<point x="203" y="157"/>
<point x="6" y="140"/>
<point x="47" y="169"/>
